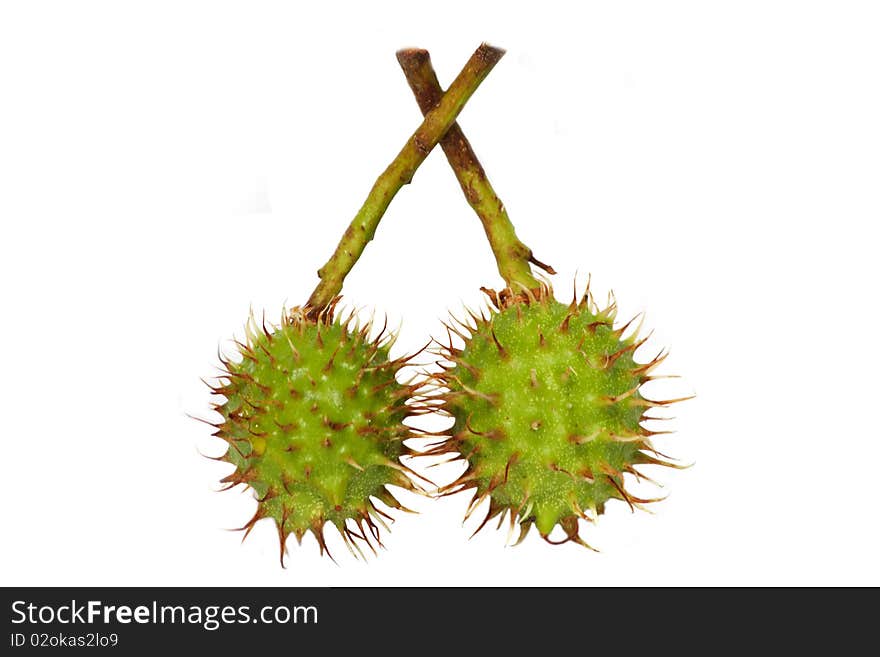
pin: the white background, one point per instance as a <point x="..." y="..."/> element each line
<point x="166" y="165"/>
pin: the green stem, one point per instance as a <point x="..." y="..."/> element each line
<point x="513" y="257"/>
<point x="398" y="174"/>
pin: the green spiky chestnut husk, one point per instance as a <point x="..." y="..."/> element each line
<point x="547" y="411"/>
<point x="313" y="417"/>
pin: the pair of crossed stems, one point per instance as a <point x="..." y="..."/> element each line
<point x="439" y="126"/>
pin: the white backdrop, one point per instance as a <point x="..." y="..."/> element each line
<point x="166" y="165"/>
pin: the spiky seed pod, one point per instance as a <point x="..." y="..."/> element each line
<point x="313" y="417"/>
<point x="548" y="411"/>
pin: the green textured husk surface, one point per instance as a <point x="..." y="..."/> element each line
<point x="547" y="412"/>
<point x="313" y="417"/>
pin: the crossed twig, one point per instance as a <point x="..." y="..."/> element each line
<point x="514" y="259"/>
